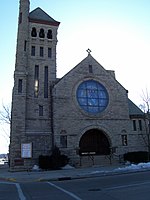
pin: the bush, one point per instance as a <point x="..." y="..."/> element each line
<point x="136" y="157"/>
<point x="44" y="162"/>
<point x="55" y="161"/>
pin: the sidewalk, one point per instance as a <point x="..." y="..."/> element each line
<point x="64" y="174"/>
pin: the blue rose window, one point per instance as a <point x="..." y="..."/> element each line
<point x="92" y="96"/>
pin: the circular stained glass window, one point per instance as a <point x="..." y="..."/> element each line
<point x="92" y="96"/>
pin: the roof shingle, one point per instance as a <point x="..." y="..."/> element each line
<point x="134" y="110"/>
<point x="39" y="16"/>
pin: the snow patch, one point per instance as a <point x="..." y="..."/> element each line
<point x="134" y="167"/>
<point x="67" y="167"/>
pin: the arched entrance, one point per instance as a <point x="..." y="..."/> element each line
<point x="95" y="142"/>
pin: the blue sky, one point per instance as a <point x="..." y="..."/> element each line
<point x="117" y="32"/>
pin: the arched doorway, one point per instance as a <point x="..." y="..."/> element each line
<point x="95" y="142"/>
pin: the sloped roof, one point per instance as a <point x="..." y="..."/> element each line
<point x="134" y="110"/>
<point x="85" y="60"/>
<point x="39" y="16"/>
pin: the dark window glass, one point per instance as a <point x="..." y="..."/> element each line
<point x="134" y="125"/>
<point x="63" y="141"/>
<point x="49" y="52"/>
<point x="42" y="34"/>
<point x="36" y="81"/>
<point x="20" y="86"/>
<point x="33" y="32"/>
<point x="40" y="110"/>
<point x="20" y="18"/>
<point x="140" y="125"/>
<point x="46" y="82"/>
<point x="49" y="34"/>
<point x="124" y="140"/>
<point x="33" y="51"/>
<point x="41" y="51"/>
<point x="25" y="45"/>
<point x="90" y="69"/>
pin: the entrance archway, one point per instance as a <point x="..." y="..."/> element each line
<point x="95" y="142"/>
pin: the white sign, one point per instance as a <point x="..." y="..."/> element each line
<point x="26" y="150"/>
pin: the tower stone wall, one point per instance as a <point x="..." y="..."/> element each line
<point x="35" y="72"/>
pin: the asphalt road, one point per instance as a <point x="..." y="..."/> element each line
<point x="134" y="186"/>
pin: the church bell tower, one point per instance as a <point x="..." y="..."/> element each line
<point x="35" y="72"/>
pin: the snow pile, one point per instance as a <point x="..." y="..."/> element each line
<point x="97" y="172"/>
<point x="67" y="167"/>
<point x="133" y="167"/>
<point x="35" y="168"/>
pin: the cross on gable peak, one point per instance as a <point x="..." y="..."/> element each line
<point x="89" y="51"/>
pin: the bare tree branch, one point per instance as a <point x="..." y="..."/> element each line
<point x="146" y="108"/>
<point x="146" y="100"/>
<point x="5" y="114"/>
<point x="5" y="135"/>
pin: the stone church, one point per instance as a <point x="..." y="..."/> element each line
<point x="86" y="113"/>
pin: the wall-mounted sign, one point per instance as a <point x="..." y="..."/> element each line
<point x="26" y="150"/>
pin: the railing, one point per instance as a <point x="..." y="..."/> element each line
<point x="90" y="155"/>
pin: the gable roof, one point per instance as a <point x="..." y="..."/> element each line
<point x="134" y="110"/>
<point x="39" y="16"/>
<point x="88" y="59"/>
<point x="81" y="71"/>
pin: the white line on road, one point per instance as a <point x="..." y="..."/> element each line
<point x="21" y="195"/>
<point x="65" y="191"/>
<point x="126" y="186"/>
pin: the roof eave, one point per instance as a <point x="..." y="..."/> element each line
<point x="44" y="22"/>
<point x="136" y="116"/>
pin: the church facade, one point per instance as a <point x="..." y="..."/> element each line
<point x="86" y="113"/>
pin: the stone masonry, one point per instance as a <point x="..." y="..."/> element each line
<point x="46" y="110"/>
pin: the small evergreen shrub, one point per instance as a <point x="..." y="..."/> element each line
<point x="136" y="157"/>
<point x="57" y="160"/>
<point x="54" y="161"/>
<point x="44" y="162"/>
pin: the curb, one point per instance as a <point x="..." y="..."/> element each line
<point x="107" y="173"/>
<point x="73" y="177"/>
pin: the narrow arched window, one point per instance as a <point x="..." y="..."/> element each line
<point x="20" y="18"/>
<point x="49" y="34"/>
<point x="42" y="34"/>
<point x="20" y="86"/>
<point x="33" y="32"/>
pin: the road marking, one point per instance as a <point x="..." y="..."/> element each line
<point x="20" y="193"/>
<point x="65" y="191"/>
<point x="126" y="186"/>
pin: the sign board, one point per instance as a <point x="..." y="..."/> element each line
<point x="26" y="150"/>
